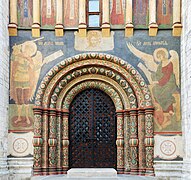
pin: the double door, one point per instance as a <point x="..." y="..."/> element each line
<point x="92" y="131"/>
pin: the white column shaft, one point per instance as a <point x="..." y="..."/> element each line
<point x="176" y="11"/>
<point x="152" y="11"/>
<point x="59" y="12"/>
<point x="13" y="11"/>
<point x="36" y="11"/>
<point x="105" y="11"/>
<point x="129" y="11"/>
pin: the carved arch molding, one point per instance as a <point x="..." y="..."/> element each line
<point x="132" y="100"/>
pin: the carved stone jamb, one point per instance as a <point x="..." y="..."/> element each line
<point x="134" y="142"/>
<point x="59" y="142"/>
<point x="120" y="142"/>
<point x="127" y="159"/>
<point x="141" y="137"/>
<point x="65" y="141"/>
<point x="149" y="140"/>
<point x="37" y="141"/>
<point x="36" y="19"/>
<point x="45" y="128"/>
<point x="52" y="142"/>
<point x="129" y="28"/>
<point x="12" y="27"/>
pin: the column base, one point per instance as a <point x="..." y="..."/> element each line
<point x="120" y="170"/>
<point x="35" y="30"/>
<point x="129" y="29"/>
<point x="106" y="30"/>
<point x="59" y="30"/>
<point x="134" y="172"/>
<point x="141" y="172"/>
<point x="153" y="29"/>
<point x="12" y="29"/>
<point x="177" y="29"/>
<point x="82" y="30"/>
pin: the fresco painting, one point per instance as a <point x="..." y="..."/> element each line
<point x="164" y="13"/>
<point x="71" y="13"/>
<point x="117" y="12"/>
<point x="156" y="59"/>
<point x="94" y="42"/>
<point x="24" y="13"/>
<point x="48" y="13"/>
<point x="26" y="63"/>
<point x="140" y="15"/>
<point x="162" y="71"/>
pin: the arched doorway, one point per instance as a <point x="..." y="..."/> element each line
<point x="92" y="131"/>
<point x="131" y="98"/>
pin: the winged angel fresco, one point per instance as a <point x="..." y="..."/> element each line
<point x="26" y="63"/>
<point x="162" y="72"/>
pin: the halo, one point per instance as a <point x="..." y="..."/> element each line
<point x="29" y="48"/>
<point x="160" y="49"/>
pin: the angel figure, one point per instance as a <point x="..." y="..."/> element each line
<point x="163" y="75"/>
<point x="25" y="68"/>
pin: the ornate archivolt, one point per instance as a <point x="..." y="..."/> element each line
<point x="129" y="93"/>
<point x="69" y="91"/>
<point x="114" y="64"/>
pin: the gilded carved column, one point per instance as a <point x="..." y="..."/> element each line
<point x="37" y="141"/>
<point x="177" y="26"/>
<point x="120" y="142"/>
<point x="82" y="18"/>
<point x="65" y="141"/>
<point x="36" y="19"/>
<point x="13" y="18"/>
<point x="141" y="137"/>
<point x="149" y="140"/>
<point x="105" y="19"/>
<point x="59" y="143"/>
<point x="129" y="19"/>
<point x="45" y="141"/>
<point x="127" y="159"/>
<point x="59" y="28"/>
<point x="52" y="141"/>
<point x="153" y="27"/>
<point x="133" y="142"/>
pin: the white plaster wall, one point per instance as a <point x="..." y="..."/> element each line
<point x="4" y="85"/>
<point x="186" y="86"/>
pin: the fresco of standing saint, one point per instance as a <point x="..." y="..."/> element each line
<point x="164" y="13"/>
<point x="70" y="13"/>
<point x="48" y="13"/>
<point x="117" y="12"/>
<point x="24" y="13"/>
<point x="140" y="13"/>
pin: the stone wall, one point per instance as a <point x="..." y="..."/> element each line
<point x="4" y="85"/>
<point x="186" y="86"/>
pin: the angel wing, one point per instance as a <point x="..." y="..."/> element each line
<point x="175" y="61"/>
<point x="37" y="60"/>
<point x="146" y="58"/>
